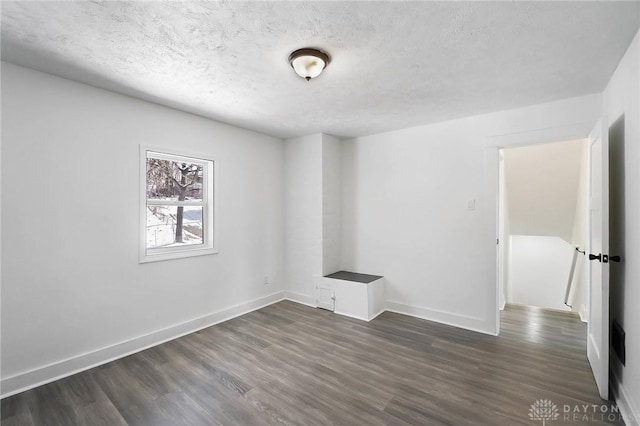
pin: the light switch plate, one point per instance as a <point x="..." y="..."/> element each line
<point x="471" y="204"/>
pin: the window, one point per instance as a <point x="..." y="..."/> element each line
<point x="177" y="209"/>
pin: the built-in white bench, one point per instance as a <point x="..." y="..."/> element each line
<point x="352" y="294"/>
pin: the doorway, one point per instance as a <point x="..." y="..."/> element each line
<point x="542" y="225"/>
<point x="596" y="270"/>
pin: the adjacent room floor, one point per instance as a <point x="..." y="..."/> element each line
<point x="292" y="364"/>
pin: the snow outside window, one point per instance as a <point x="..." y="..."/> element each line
<point x="177" y="205"/>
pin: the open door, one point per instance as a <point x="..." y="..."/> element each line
<point x="598" y="237"/>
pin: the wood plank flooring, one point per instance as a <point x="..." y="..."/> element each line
<point x="289" y="364"/>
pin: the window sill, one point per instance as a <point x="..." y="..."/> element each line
<point x="178" y="254"/>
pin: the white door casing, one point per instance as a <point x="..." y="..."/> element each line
<point x="598" y="244"/>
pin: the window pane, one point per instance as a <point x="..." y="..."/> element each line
<point x="173" y="180"/>
<point x="173" y="226"/>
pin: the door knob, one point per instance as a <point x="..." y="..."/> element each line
<point x="615" y="258"/>
<point x="594" y="257"/>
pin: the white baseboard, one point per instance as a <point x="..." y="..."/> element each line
<point x="300" y="298"/>
<point x="63" y="368"/>
<point x="630" y="413"/>
<point x="448" y="318"/>
<point x="304" y="299"/>
<point x="344" y="314"/>
<point x="374" y="316"/>
<point x="583" y="316"/>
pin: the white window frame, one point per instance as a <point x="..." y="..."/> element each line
<point x="209" y="205"/>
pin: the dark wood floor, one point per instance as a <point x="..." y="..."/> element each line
<point x="295" y="365"/>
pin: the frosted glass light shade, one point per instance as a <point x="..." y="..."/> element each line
<point x="308" y="66"/>
<point x="308" y="63"/>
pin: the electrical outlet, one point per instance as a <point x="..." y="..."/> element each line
<point x="266" y="280"/>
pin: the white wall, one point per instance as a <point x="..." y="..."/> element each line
<point x="313" y="223"/>
<point x="303" y="216"/>
<point x="71" y="281"/>
<point x="543" y="183"/>
<point x="578" y="296"/>
<point x="331" y="204"/>
<point x="539" y="268"/>
<point x="405" y="198"/>
<point x="622" y="96"/>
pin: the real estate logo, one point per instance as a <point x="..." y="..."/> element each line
<point x="543" y="410"/>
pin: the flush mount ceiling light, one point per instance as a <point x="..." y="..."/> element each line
<point x="308" y="63"/>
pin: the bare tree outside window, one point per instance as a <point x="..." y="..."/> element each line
<point x="177" y="213"/>
<point x="180" y="185"/>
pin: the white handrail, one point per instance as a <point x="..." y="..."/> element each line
<point x="571" y="273"/>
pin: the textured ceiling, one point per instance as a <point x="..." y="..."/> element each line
<point x="394" y="64"/>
